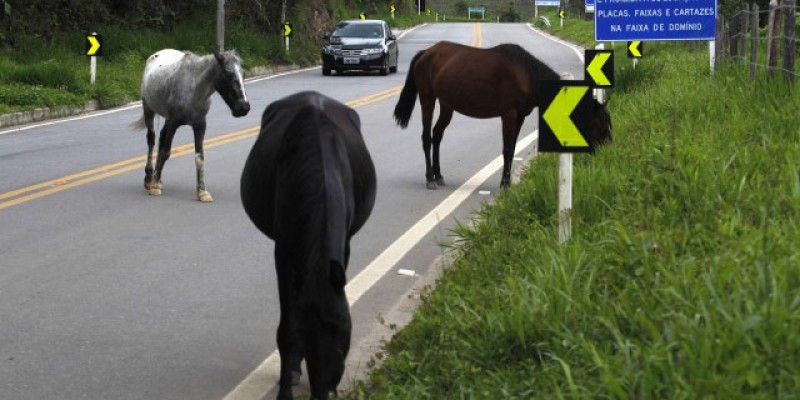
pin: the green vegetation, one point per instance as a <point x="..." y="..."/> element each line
<point x="51" y="72"/>
<point x="37" y="74"/>
<point x="681" y="280"/>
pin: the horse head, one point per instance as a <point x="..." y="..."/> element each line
<point x="600" y="128"/>
<point x="229" y="82"/>
<point x="325" y="329"/>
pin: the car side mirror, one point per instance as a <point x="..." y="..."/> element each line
<point x="391" y="37"/>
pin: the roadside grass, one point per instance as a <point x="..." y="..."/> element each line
<point x="40" y="75"/>
<point x="681" y="280"/>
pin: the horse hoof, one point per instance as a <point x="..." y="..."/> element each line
<point x="204" y="196"/>
<point x="431" y="185"/>
<point x="440" y="182"/>
<point x="154" y="191"/>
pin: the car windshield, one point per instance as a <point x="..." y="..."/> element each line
<point x="358" y="30"/>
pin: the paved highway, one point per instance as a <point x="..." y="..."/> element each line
<point x="108" y="293"/>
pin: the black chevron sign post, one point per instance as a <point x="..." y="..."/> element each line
<point x="94" y="48"/>
<point x="599" y="68"/>
<point x="565" y="117"/>
<point x="635" y="49"/>
<point x="564" y="120"/>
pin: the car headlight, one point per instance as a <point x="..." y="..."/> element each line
<point x="373" y="51"/>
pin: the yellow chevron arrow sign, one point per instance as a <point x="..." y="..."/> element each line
<point x="287" y="29"/>
<point x="565" y="116"/>
<point x="93" y="45"/>
<point x="558" y="113"/>
<point x="599" y="68"/>
<point x="635" y="49"/>
<point x="595" y="69"/>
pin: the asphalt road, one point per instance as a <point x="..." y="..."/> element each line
<point x="108" y="293"/>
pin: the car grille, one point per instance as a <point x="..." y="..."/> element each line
<point x="351" y="52"/>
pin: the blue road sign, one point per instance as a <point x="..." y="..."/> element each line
<point x="624" y="20"/>
<point x="547" y="3"/>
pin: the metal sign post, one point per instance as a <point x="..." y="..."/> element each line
<point x="287" y="32"/>
<point x="93" y="49"/>
<point x="565" y="120"/>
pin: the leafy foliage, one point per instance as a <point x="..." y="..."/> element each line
<point x="680" y="280"/>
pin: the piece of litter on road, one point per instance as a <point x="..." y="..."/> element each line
<point x="484" y="192"/>
<point x="407" y="272"/>
<point x="517" y="158"/>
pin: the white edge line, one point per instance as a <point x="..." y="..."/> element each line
<point x="138" y="103"/>
<point x="409" y="30"/>
<point x="59" y="121"/>
<point x="134" y="105"/>
<point x="265" y="377"/>
<point x="577" y="49"/>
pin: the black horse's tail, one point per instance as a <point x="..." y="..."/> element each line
<point x="408" y="96"/>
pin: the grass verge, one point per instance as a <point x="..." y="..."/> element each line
<point x="681" y="280"/>
<point x="37" y="74"/>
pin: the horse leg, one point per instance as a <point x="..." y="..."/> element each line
<point x="151" y="142"/>
<point x="445" y="115"/>
<point x="511" y="126"/>
<point x="199" y="161"/>
<point x="164" y="150"/>
<point x="427" y="104"/>
<point x="289" y="347"/>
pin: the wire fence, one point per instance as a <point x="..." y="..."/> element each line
<point x="762" y="39"/>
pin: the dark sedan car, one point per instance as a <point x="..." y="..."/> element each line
<point x="365" y="45"/>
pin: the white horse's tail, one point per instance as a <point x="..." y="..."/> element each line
<point x="138" y="124"/>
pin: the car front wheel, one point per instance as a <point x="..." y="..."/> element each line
<point x="326" y="71"/>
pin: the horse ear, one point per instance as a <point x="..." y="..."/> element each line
<point x="338" y="277"/>
<point x="220" y="58"/>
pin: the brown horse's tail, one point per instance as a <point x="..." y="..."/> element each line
<point x="408" y="96"/>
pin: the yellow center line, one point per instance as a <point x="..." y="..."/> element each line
<point x="477" y="36"/>
<point x="105" y="171"/>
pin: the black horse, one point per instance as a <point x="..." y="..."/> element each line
<point x="309" y="185"/>
<point x="502" y="81"/>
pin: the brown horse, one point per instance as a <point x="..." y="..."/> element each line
<point x="501" y="81"/>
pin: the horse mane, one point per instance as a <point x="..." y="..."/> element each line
<point x="537" y="70"/>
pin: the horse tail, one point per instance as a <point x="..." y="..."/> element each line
<point x="408" y="96"/>
<point x="138" y="124"/>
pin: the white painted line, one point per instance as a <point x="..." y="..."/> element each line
<point x="92" y="115"/>
<point x="577" y="49"/>
<point x="404" y="32"/>
<point x="266" y="376"/>
<point x="264" y="78"/>
<point x="138" y="103"/>
<point x="134" y="105"/>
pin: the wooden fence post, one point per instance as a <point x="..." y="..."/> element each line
<point x="772" y="36"/>
<point x="745" y="21"/>
<point x="719" y="46"/>
<point x="754" y="42"/>
<point x="788" y="44"/>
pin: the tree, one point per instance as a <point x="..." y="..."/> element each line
<point x="510" y="14"/>
<point x="460" y="8"/>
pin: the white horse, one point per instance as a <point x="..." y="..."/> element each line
<point x="178" y="85"/>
